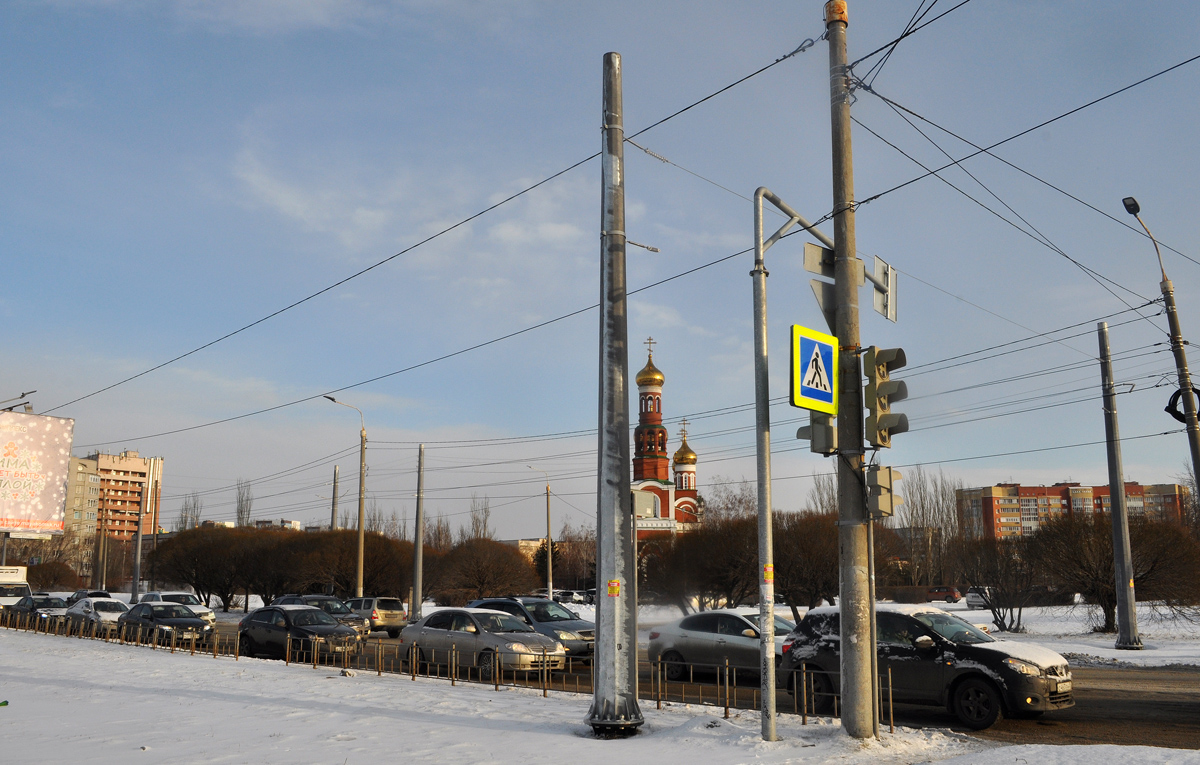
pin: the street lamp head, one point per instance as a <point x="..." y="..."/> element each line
<point x="331" y="398"/>
<point x="1131" y="205"/>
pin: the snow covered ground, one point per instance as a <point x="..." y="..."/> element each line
<point x="88" y="701"/>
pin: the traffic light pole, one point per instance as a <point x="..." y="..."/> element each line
<point x="853" y="550"/>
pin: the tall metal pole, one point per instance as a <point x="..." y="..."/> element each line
<point x="614" y="710"/>
<point x="333" y="523"/>
<point x="4" y="549"/>
<point x="762" y="423"/>
<point x="857" y="647"/>
<point x="1127" y="630"/>
<point x="137" y="546"/>
<point x="362" y="499"/>
<point x="154" y="544"/>
<point x="549" y="548"/>
<point x="414" y="607"/>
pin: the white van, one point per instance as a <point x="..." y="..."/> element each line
<point x="13" y="586"/>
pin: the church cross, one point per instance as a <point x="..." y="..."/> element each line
<point x="683" y="429"/>
<point x="650" y="343"/>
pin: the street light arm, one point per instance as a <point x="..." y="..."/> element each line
<point x="362" y="419"/>
<point x="1161" y="267"/>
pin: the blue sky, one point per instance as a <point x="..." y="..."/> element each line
<point x="176" y="170"/>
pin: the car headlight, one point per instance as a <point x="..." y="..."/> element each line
<point x="518" y="648"/>
<point x="1024" y="667"/>
<point x="164" y="628"/>
<point x="566" y="635"/>
<point x="207" y="627"/>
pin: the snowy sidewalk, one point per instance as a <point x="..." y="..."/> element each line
<point x="88" y="701"/>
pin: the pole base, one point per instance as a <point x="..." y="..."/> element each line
<point x="611" y="731"/>
<point x="619" y="720"/>
<point x="1129" y="646"/>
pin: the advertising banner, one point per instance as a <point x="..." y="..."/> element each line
<point x="35" y="458"/>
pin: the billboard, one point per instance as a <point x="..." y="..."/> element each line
<point x="35" y="459"/>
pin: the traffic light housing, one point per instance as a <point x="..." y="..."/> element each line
<point x="879" y="393"/>
<point x="882" y="499"/>
<point x="820" y="432"/>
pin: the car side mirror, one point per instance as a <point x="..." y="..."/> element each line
<point x="924" y="642"/>
<point x="749" y="633"/>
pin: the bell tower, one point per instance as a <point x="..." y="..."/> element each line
<point x="650" y="460"/>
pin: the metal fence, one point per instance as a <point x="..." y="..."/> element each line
<point x="813" y="692"/>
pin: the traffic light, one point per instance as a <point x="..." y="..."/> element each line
<point x="882" y="499"/>
<point x="820" y="432"/>
<point x="880" y="392"/>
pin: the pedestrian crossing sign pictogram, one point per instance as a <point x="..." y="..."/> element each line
<point x="814" y="370"/>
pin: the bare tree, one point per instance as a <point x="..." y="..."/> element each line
<point x="438" y="535"/>
<point x="245" y="500"/>
<point x="1009" y="569"/>
<point x="927" y="523"/>
<point x="374" y="520"/>
<point x="480" y="568"/>
<point x="477" y="524"/>
<point x="822" y="497"/>
<point x="189" y="513"/>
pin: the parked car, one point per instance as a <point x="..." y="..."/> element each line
<point x="381" y="614"/>
<point x="183" y="598"/>
<point x="13" y="586"/>
<point x="41" y="605"/>
<point x="330" y="605"/>
<point x="935" y="658"/>
<point x="943" y="592"/>
<point x="705" y="640"/>
<point x="483" y="639"/>
<point x="577" y="635"/>
<point x="98" y="612"/>
<point x="79" y="595"/>
<point x="266" y="630"/>
<point x="164" y="621"/>
<point x="978" y="597"/>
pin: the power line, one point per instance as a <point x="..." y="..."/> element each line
<point x="907" y="33"/>
<point x="803" y="46"/>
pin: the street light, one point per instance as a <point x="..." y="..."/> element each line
<point x="1181" y="367"/>
<point x="549" y="538"/>
<point x="362" y="495"/>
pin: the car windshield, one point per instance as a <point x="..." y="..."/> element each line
<point x="953" y="629"/>
<point x="386" y="604"/>
<point x="49" y="603"/>
<point x="170" y="612"/>
<point x="13" y="590"/>
<point x="186" y="599"/>
<point x="549" y="612"/>
<point x="114" y="606"/>
<point x="335" y="607"/>
<point x="309" y="618"/>
<point x="502" y="623"/>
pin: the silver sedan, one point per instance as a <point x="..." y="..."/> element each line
<point x="482" y="639"/>
<point x="704" y="641"/>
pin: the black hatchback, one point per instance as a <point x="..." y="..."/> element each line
<point x="166" y="622"/>
<point x="935" y="658"/>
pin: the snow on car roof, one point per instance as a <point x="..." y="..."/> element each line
<point x="895" y="608"/>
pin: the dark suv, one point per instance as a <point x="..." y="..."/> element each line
<point x="936" y="659"/>
<point x="330" y="605"/>
<point x="577" y="635"/>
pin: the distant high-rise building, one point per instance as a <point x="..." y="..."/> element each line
<point x="124" y="479"/>
<point x="83" y="505"/>
<point x="1014" y="510"/>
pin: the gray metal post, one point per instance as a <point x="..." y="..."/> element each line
<point x="4" y="551"/>
<point x="614" y="710"/>
<point x="333" y="522"/>
<point x="414" y="605"/>
<point x="154" y="538"/>
<point x="762" y="426"/>
<point x="362" y="499"/>
<point x="1127" y="631"/>
<point x="1181" y="365"/>
<point x="549" y="547"/>
<point x="137" y="547"/>
<point x="853" y="552"/>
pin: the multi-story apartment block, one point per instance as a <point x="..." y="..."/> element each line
<point x="124" y="479"/>
<point x="1013" y="510"/>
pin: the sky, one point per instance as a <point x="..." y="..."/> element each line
<point x="177" y="170"/>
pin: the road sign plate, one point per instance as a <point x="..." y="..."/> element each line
<point x="814" y="370"/>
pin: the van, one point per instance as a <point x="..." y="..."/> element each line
<point x="13" y="586"/>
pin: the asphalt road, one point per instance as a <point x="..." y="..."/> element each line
<point x="1152" y="706"/>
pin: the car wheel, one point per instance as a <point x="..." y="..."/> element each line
<point x="821" y="693"/>
<point x="675" y="670"/>
<point x="486" y="666"/>
<point x="949" y="599"/>
<point x="246" y="647"/>
<point x="976" y="703"/>
<point x="393" y="634"/>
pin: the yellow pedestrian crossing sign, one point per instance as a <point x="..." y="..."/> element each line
<point x="814" y="370"/>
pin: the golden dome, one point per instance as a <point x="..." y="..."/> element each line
<point x="650" y="374"/>
<point x="685" y="455"/>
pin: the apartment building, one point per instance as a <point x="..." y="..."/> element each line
<point x="1014" y="510"/>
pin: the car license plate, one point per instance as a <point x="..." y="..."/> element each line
<point x="1064" y="687"/>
